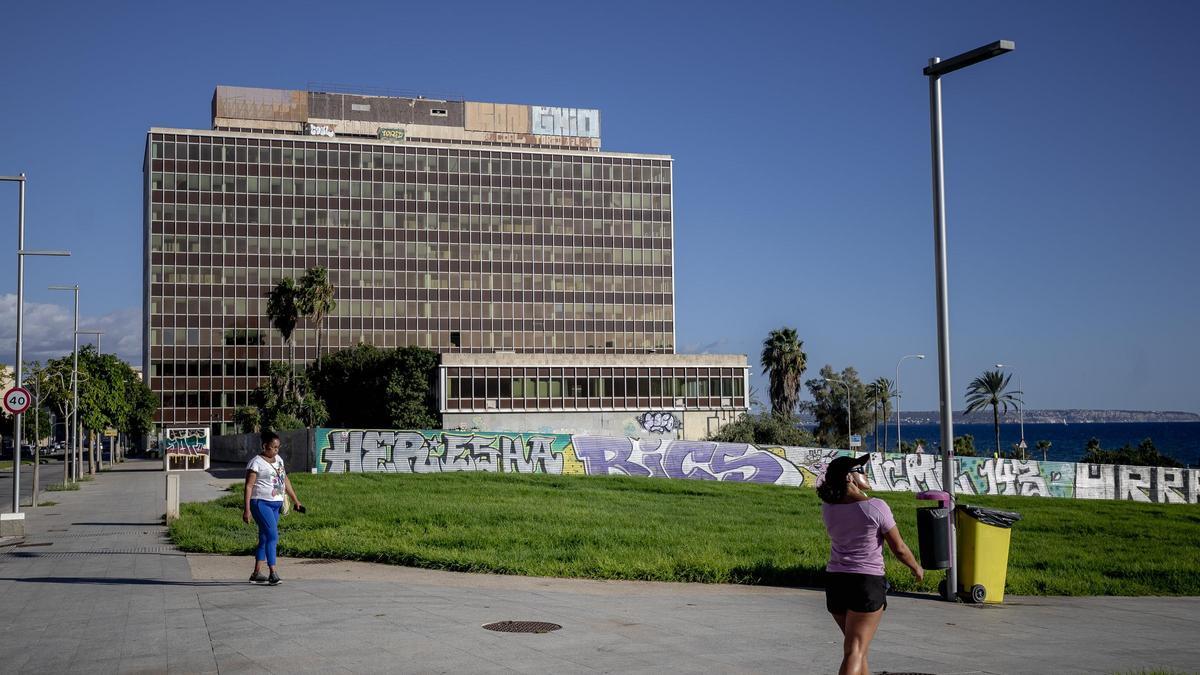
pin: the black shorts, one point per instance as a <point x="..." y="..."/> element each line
<point x="855" y="592"/>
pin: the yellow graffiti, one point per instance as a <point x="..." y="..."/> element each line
<point x="571" y="464"/>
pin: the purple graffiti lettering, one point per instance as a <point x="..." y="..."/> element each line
<point x="604" y="456"/>
<point x="728" y="460"/>
<point x="698" y="453"/>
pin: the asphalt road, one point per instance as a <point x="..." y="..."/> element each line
<point x="50" y="473"/>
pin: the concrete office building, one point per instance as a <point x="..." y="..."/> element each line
<point x="499" y="235"/>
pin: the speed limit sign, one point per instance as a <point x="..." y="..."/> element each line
<point x="16" y="400"/>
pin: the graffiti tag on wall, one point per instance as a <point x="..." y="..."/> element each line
<point x="659" y="422"/>
<point x="700" y="460"/>
<point x="407" y="451"/>
<point x="380" y="450"/>
<point x="186" y="441"/>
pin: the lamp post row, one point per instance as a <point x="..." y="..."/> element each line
<point x="18" y="366"/>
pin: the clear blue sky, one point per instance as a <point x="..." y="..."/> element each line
<point x="801" y="138"/>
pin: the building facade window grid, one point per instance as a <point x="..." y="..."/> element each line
<point x="566" y="388"/>
<point x="589" y="274"/>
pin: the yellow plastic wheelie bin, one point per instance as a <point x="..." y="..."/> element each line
<point x="983" y="539"/>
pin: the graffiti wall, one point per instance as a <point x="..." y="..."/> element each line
<point x="390" y="451"/>
<point x="428" y="451"/>
<point x="185" y="441"/>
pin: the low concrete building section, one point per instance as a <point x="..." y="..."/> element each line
<point x="694" y="424"/>
<point x="662" y="415"/>
<point x="295" y="447"/>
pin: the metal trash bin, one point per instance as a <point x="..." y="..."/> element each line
<point x="983" y="542"/>
<point x="933" y="531"/>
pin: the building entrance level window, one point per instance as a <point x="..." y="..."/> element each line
<point x="617" y="388"/>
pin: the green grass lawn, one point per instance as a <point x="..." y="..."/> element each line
<point x="674" y="530"/>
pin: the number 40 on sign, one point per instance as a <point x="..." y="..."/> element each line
<point x="16" y="400"/>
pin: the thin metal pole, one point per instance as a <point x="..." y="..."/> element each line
<point x="37" y="439"/>
<point x="1022" y="388"/>
<point x="899" y="448"/>
<point x="945" y="405"/>
<point x="75" y="395"/>
<point x="95" y="437"/>
<point x="16" y="502"/>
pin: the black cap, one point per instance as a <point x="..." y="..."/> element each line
<point x="840" y="467"/>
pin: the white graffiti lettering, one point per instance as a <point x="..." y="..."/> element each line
<point x="659" y="422"/>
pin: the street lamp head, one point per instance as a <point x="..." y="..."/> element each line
<point x="920" y="356"/>
<point x="939" y="68"/>
<point x="45" y="253"/>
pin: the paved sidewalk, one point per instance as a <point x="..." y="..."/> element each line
<point x="109" y="594"/>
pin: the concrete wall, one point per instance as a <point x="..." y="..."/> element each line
<point x="649" y="425"/>
<point x="432" y="451"/>
<point x="294" y="446"/>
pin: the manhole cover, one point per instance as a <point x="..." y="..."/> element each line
<point x="317" y="561"/>
<point x="522" y="626"/>
<point x="40" y="543"/>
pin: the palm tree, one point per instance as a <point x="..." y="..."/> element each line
<point x="989" y="390"/>
<point x="784" y="358"/>
<point x="284" y="312"/>
<point x="883" y="390"/>
<point x="1044" y="446"/>
<point x="316" y="299"/>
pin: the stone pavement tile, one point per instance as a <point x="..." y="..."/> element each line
<point x="453" y="662"/>
<point x="520" y="653"/>
<point x="148" y="663"/>
<point x="682" y="664"/>
<point x="192" y="662"/>
<point x="132" y="649"/>
<point x="286" y="665"/>
<point x="92" y="665"/>
<point x="236" y="662"/>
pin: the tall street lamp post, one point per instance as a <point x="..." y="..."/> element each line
<point x="848" y="425"/>
<point x="934" y="71"/>
<point x="900" y="448"/>
<point x="1021" y="409"/>
<point x="17" y="374"/>
<point x="70" y="451"/>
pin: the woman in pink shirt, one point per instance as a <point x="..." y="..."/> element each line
<point x="855" y="588"/>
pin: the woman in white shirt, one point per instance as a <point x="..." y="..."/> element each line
<point x="266" y="483"/>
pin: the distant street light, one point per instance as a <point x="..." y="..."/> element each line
<point x="900" y="448"/>
<point x="1021" y="408"/>
<point x="848" y="425"/>
<point x="18" y="374"/>
<point x="934" y="71"/>
<point x="73" y="431"/>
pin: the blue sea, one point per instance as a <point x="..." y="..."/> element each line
<point x="1180" y="440"/>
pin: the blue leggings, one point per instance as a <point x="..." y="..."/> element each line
<point x="266" y="514"/>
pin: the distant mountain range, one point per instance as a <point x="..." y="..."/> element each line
<point x="1067" y="416"/>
